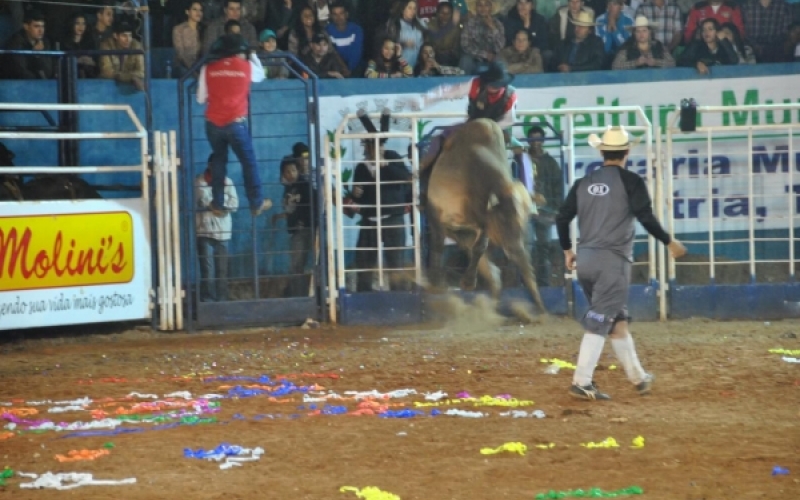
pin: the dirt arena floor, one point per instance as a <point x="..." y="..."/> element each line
<point x="723" y="413"/>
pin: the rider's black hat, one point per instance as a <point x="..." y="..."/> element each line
<point x="495" y="74"/>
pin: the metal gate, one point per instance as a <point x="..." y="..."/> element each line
<point x="731" y="196"/>
<point x="248" y="279"/>
<point x="82" y="259"/>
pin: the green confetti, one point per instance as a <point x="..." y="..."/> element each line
<point x="590" y="493"/>
<point x="7" y="473"/>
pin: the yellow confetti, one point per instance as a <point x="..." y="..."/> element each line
<point x="559" y="362"/>
<point x="608" y="442"/>
<point x="787" y="352"/>
<point x="509" y="447"/>
<point x="546" y="446"/>
<point x="638" y="442"/>
<point x="446" y="402"/>
<point x="370" y="493"/>
<point x="490" y="401"/>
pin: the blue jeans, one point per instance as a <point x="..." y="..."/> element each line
<point x="237" y="136"/>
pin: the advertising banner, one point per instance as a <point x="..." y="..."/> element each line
<point x="68" y="262"/>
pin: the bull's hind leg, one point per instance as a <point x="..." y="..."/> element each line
<point x="476" y="242"/>
<point x="519" y="255"/>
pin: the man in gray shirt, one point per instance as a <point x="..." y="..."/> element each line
<point x="606" y="202"/>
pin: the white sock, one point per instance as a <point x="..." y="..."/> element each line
<point x="626" y="354"/>
<point x="591" y="349"/>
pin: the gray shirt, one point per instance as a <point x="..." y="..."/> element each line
<point x="606" y="202"/>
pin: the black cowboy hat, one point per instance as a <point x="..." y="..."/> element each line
<point x="229" y="45"/>
<point x="494" y="74"/>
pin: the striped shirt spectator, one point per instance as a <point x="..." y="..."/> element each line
<point x="667" y="16"/>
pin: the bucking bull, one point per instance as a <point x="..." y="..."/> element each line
<point x="473" y="199"/>
<point x="41" y="187"/>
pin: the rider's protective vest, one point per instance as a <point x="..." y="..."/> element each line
<point x="484" y="105"/>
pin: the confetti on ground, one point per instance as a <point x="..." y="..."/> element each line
<point x="509" y="447"/>
<point x="370" y="493"/>
<point x="68" y="480"/>
<point x="78" y="455"/>
<point x="608" y="442"/>
<point x="590" y="493"/>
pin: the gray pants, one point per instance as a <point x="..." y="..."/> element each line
<point x="213" y="269"/>
<point x="300" y="245"/>
<point x="604" y="277"/>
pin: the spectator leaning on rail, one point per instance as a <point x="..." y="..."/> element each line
<point x="665" y="21"/>
<point x="322" y="62"/>
<point x="268" y="42"/>
<point x="31" y="37"/>
<point x="583" y="50"/>
<point x="606" y="202"/>
<point x="642" y="50"/>
<point x="709" y="50"/>
<point x="225" y="85"/>
<point x="120" y="67"/>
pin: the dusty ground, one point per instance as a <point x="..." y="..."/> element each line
<point x="724" y="412"/>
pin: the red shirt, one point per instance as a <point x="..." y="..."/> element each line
<point x="228" y="81"/>
<point x="726" y="13"/>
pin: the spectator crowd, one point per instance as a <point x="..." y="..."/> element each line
<point x="410" y="38"/>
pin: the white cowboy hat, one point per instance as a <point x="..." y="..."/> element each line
<point x="584" y="19"/>
<point x="642" y="22"/>
<point x="614" y="139"/>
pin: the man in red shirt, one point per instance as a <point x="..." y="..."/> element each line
<point x="721" y="10"/>
<point x="225" y="85"/>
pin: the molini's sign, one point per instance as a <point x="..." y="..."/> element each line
<point x="54" y="251"/>
<point x="90" y="263"/>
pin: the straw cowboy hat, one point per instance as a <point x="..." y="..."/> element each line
<point x="584" y="19"/>
<point x="614" y="139"/>
<point x="642" y="22"/>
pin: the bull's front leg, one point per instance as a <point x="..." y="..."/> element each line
<point x="436" y="246"/>
<point x="470" y="279"/>
<point x="518" y="254"/>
